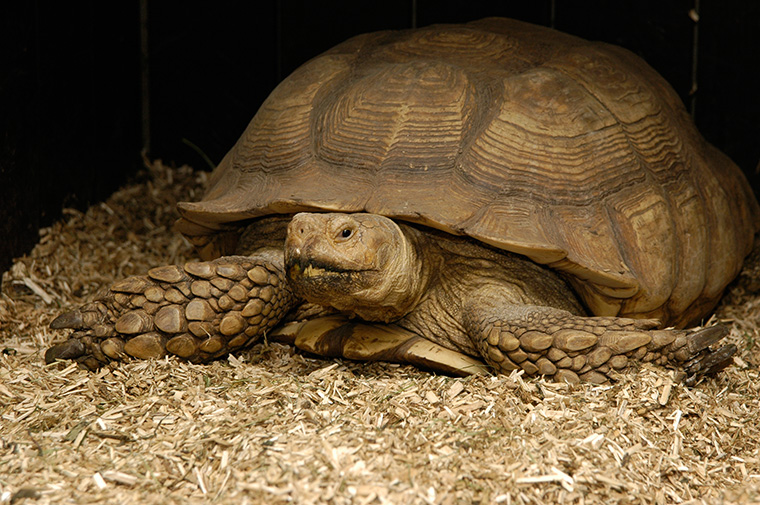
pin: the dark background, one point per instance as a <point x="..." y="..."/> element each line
<point x="71" y="116"/>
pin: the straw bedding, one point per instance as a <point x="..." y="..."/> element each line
<point x="272" y="425"/>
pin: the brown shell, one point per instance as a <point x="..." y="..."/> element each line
<point x="573" y="153"/>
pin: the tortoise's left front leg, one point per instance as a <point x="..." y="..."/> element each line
<point x="547" y="341"/>
<point x="198" y="312"/>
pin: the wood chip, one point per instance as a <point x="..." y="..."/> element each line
<point x="37" y="290"/>
<point x="98" y="480"/>
<point x="665" y="395"/>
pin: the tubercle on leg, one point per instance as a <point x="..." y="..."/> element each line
<point x="198" y="312"/>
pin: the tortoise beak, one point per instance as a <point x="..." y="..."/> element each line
<point x="303" y="232"/>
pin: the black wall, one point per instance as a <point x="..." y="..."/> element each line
<point x="69" y="116"/>
<point x="70" y="80"/>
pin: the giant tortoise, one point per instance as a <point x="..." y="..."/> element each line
<point x="488" y="196"/>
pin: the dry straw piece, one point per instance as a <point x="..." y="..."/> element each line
<point x="271" y="425"/>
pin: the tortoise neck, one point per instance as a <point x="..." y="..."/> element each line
<point x="404" y="281"/>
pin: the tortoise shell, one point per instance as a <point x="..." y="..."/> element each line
<point x="575" y="154"/>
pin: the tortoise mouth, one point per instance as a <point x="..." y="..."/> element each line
<point x="316" y="270"/>
<point x="325" y="284"/>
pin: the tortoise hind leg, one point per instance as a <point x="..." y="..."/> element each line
<point x="552" y="342"/>
<point x="336" y="336"/>
<point x="198" y="312"/>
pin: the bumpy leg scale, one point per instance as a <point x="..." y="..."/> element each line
<point x="199" y="312"/>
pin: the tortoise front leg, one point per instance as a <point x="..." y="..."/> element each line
<point x="198" y="312"/>
<point x="556" y="343"/>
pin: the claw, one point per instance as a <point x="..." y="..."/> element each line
<point x="71" y="349"/>
<point x="704" y="338"/>
<point x="708" y="363"/>
<point x="71" y="320"/>
<point x="702" y="360"/>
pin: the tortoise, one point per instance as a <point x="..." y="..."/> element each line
<point x="492" y="196"/>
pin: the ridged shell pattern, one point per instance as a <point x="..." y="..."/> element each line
<point x="573" y="153"/>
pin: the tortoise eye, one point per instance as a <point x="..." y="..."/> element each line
<point x="346" y="233"/>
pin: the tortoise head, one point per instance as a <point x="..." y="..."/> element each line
<point x="358" y="263"/>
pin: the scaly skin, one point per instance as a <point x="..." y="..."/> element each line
<point x="200" y="312"/>
<point x="455" y="294"/>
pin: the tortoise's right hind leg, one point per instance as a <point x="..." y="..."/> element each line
<point x="198" y="312"/>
